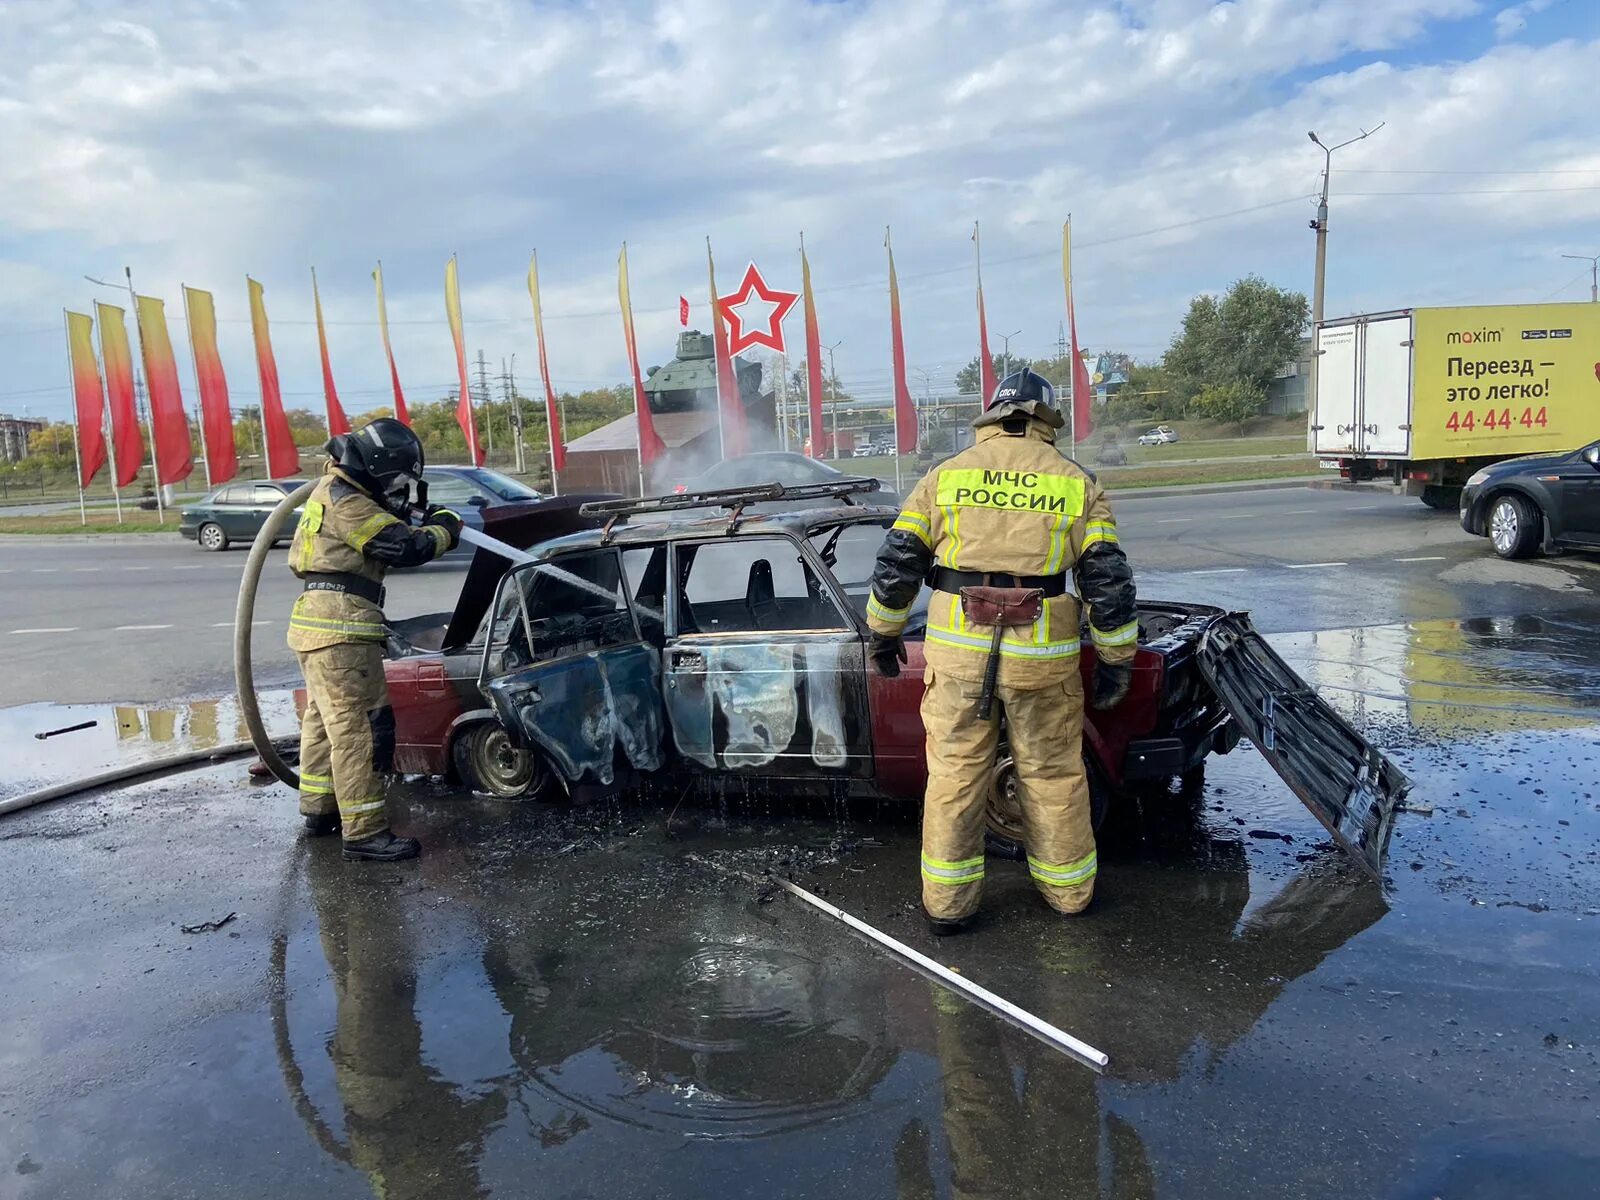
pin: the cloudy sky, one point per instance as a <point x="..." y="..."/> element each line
<point x="197" y="140"/>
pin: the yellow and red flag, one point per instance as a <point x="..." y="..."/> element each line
<point x="127" y="448"/>
<point x="1082" y="390"/>
<point x="283" y="459"/>
<point x="169" y="427"/>
<point x="222" y="458"/>
<point x="905" y="413"/>
<point x="985" y="360"/>
<point x="88" y="397"/>
<point x="819" y="438"/>
<point x="558" y="448"/>
<point x="337" y="422"/>
<point x="452" y="310"/>
<point x="400" y="413"/>
<point x="651" y="447"/>
<point x="730" y="408"/>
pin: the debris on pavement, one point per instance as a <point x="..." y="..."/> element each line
<point x="209" y="926"/>
<point x="50" y="733"/>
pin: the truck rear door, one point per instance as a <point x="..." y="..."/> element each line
<point x="1336" y="378"/>
<point x="1385" y="358"/>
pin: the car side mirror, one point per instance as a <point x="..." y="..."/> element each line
<point x="478" y="501"/>
<point x="1591" y="455"/>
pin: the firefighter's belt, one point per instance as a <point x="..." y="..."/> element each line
<point x="947" y="579"/>
<point x="344" y="581"/>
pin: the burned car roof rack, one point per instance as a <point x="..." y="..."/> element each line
<point x="735" y="499"/>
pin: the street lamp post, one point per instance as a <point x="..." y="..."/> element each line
<point x="833" y="403"/>
<point x="1594" y="274"/>
<point x="1320" y="226"/>
<point x="1005" y="354"/>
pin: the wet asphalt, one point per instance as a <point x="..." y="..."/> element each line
<point x="582" y="1001"/>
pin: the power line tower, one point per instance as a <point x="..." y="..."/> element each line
<point x="508" y="390"/>
<point x="483" y="401"/>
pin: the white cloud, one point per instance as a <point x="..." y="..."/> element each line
<point x="196" y="141"/>
<point x="1509" y="22"/>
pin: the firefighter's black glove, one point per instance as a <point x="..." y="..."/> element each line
<point x="1111" y="683"/>
<point x="449" y="521"/>
<point x="887" y="653"/>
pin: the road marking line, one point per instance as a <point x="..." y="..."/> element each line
<point x="1174" y="520"/>
<point x="1309" y="566"/>
<point x="1423" y="558"/>
<point x="194" y="567"/>
<point x="44" y="570"/>
<point x="1234" y="517"/>
<point x="1298" y="512"/>
<point x="50" y="629"/>
<point x="136" y="568"/>
<point x="229" y="624"/>
<point x="133" y="628"/>
<point x="1219" y="571"/>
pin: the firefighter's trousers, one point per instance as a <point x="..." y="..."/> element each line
<point x="1045" y="734"/>
<point x="346" y="736"/>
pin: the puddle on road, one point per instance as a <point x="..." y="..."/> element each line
<point x="122" y="734"/>
<point x="564" y="1000"/>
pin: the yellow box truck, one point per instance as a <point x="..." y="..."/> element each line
<point x="1420" y="398"/>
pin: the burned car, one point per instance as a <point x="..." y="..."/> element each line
<point x="725" y="645"/>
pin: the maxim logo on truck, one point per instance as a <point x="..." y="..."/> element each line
<point x="1471" y="337"/>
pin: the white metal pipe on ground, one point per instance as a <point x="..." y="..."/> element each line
<point x="1037" y="1026"/>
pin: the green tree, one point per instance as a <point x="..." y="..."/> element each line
<point x="1244" y="337"/>
<point x="969" y="379"/>
<point x="1230" y="403"/>
<point x="799" y="385"/>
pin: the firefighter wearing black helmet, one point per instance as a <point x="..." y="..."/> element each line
<point x="1014" y="539"/>
<point x="352" y="530"/>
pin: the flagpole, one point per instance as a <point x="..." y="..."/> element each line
<point x="716" y="367"/>
<point x="549" y="388"/>
<point x="77" y="453"/>
<point x="105" y="421"/>
<point x="205" y="447"/>
<point x="155" y="465"/>
<point x="1072" y="350"/>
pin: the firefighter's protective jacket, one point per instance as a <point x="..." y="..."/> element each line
<point x="343" y="530"/>
<point x="1010" y="503"/>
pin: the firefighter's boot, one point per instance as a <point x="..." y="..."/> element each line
<point x="382" y="846"/>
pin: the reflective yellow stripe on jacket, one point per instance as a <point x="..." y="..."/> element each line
<point x="360" y="631"/>
<point x="968" y="870"/>
<point x="952" y="630"/>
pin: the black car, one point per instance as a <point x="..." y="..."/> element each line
<point x="470" y="490"/>
<point x="1551" y="500"/>
<point x="234" y="512"/>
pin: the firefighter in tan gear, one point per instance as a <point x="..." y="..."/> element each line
<point x="351" y="531"/>
<point x="1013" y="537"/>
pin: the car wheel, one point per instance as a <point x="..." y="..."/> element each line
<point x="1514" y="526"/>
<point x="1004" y="833"/>
<point x="487" y="761"/>
<point x="211" y="537"/>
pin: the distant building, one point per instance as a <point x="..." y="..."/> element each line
<point x="14" y="432"/>
<point x="1289" y="390"/>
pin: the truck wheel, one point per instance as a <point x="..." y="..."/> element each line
<point x="1003" y="836"/>
<point x="1515" y="525"/>
<point x="1445" y="499"/>
<point x="487" y="761"/>
<point x="211" y="537"/>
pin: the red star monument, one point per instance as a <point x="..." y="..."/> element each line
<point x="755" y="313"/>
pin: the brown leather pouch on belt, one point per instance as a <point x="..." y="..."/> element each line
<point x="1001" y="607"/>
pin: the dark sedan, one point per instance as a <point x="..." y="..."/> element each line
<point x="1549" y="500"/>
<point x="470" y="490"/>
<point x="773" y="466"/>
<point x="234" y="512"/>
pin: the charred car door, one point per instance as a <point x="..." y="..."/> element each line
<point x="567" y="670"/>
<point x="764" y="670"/>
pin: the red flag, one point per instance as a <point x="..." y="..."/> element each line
<point x="1082" y="389"/>
<point x="400" y="413"/>
<point x="730" y="406"/>
<point x="558" y="449"/>
<point x="127" y="449"/>
<point x="989" y="383"/>
<point x="819" y="437"/>
<point x="337" y="422"/>
<point x="905" y="413"/>
<point x="683" y="311"/>
<point x="169" y="427"/>
<point x="651" y="447"/>
<point x="222" y="457"/>
<point x="283" y="459"/>
<point x="88" y="397"/>
<point x="452" y="309"/>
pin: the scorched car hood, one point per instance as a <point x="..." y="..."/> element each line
<point x="1342" y="778"/>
